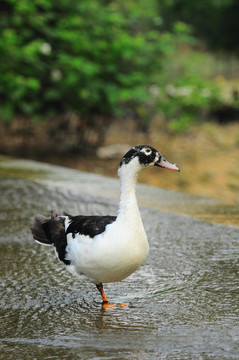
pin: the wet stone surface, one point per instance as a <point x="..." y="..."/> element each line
<point x="183" y="303"/>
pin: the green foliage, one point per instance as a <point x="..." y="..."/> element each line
<point x="70" y="56"/>
<point x="187" y="96"/>
<point x="188" y="99"/>
<point x="93" y="60"/>
<point x="216" y="21"/>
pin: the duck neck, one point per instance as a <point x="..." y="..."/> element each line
<point x="128" y="203"/>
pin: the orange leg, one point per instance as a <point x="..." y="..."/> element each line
<point x="101" y="290"/>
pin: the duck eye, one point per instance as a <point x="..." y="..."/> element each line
<point x="148" y="151"/>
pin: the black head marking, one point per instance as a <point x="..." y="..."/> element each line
<point x="145" y="153"/>
<point x="128" y="156"/>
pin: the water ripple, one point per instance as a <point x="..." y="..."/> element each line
<point x="183" y="303"/>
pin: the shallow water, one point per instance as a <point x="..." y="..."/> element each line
<point x="183" y="303"/>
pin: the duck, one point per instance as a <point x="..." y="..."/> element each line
<point x="108" y="248"/>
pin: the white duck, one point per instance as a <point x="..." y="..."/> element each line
<point x="104" y="248"/>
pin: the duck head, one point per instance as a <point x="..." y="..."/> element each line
<point x="144" y="155"/>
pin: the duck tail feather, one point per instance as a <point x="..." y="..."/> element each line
<point x="38" y="230"/>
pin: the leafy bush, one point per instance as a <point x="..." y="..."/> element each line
<point x="188" y="98"/>
<point x="82" y="57"/>
<point x="74" y="65"/>
<point x="220" y="30"/>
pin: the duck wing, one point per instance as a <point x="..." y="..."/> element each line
<point x="88" y="225"/>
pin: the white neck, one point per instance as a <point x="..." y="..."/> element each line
<point x="128" y="178"/>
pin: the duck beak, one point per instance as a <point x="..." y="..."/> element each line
<point x="162" y="162"/>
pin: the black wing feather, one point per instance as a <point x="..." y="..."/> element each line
<point x="88" y="225"/>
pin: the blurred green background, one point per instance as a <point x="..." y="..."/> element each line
<point x="69" y="69"/>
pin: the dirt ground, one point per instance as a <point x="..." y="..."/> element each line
<point x="207" y="154"/>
